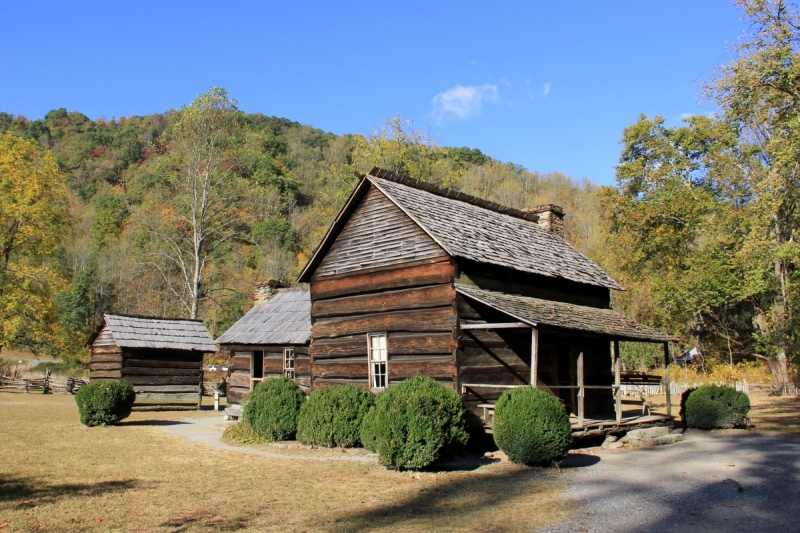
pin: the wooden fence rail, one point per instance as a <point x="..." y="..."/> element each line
<point x="45" y="385"/>
<point x="753" y="389"/>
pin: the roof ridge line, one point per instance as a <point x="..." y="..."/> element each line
<point x="445" y="192"/>
<point x="145" y="317"/>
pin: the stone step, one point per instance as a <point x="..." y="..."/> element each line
<point x="649" y="433"/>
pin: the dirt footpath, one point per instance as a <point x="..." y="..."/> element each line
<point x="711" y="481"/>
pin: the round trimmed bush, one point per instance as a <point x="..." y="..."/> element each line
<point x="333" y="416"/>
<point x="417" y="423"/>
<point x="103" y="403"/>
<point x="272" y="409"/>
<point x="368" y="438"/>
<point x="531" y="427"/>
<point x="711" y="406"/>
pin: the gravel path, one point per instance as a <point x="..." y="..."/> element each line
<point x="208" y="431"/>
<point x="689" y="486"/>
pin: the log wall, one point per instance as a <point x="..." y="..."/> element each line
<point x="412" y="303"/>
<point x="162" y="379"/>
<point x="239" y="380"/>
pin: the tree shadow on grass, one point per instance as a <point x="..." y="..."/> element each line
<point x="152" y="423"/>
<point x="23" y="491"/>
<point x="454" y="500"/>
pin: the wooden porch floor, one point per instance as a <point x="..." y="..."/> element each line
<point x="606" y="424"/>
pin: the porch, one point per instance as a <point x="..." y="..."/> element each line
<point x="603" y="424"/>
<point x="570" y="351"/>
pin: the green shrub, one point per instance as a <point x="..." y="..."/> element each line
<point x="684" y="397"/>
<point x="368" y="438"/>
<point x="531" y="427"/>
<point x="711" y="406"/>
<point x="333" y="416"/>
<point x="103" y="403"/>
<point x="272" y="409"/>
<point x="417" y="423"/>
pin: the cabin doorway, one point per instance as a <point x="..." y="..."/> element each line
<point x="567" y="366"/>
<point x="257" y="366"/>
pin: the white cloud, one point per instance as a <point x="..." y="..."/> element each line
<point x="546" y="89"/>
<point x="462" y="102"/>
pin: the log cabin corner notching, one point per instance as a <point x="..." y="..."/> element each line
<point x="271" y="340"/>
<point x="478" y="296"/>
<point x="161" y="357"/>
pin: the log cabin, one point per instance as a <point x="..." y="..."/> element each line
<point x="481" y="297"/>
<point x="271" y="340"/>
<point x="161" y="357"/>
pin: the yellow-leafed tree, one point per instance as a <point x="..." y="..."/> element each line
<point x="34" y="220"/>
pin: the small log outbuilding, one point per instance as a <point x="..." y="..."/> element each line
<point x="162" y="358"/>
<point x="478" y="296"/>
<point x="271" y="340"/>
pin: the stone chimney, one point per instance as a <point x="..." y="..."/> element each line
<point x="266" y="290"/>
<point x="551" y="218"/>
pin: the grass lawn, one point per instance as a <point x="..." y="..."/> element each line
<point x="57" y="475"/>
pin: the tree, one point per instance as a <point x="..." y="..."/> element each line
<point x="759" y="93"/>
<point x="195" y="210"/>
<point x="34" y="218"/>
<point x="677" y="226"/>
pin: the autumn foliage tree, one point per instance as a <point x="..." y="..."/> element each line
<point x="34" y="218"/>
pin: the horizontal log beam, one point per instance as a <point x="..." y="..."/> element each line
<point x="105" y="366"/>
<point x="417" y="276"/>
<point x="240" y="362"/>
<point x="239" y="380"/>
<point x="106" y="350"/>
<point x="397" y="344"/>
<point x="167" y="388"/>
<point x="148" y="371"/>
<point x="236" y="395"/>
<point x="322" y="383"/>
<point x="156" y="363"/>
<point x="162" y="380"/>
<point x="167" y="398"/>
<point x="441" y="319"/>
<point x="106" y="374"/>
<point x="107" y="358"/>
<point x="496" y="325"/>
<point x="416" y="298"/>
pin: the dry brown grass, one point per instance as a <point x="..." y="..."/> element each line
<point x="57" y="475"/>
<point x="771" y="414"/>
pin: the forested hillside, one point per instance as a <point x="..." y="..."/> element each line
<point x="182" y="213"/>
<point x="281" y="184"/>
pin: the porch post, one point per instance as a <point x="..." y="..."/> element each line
<point x="617" y="381"/>
<point x="534" y="356"/>
<point x="580" y="388"/>
<point x="666" y="378"/>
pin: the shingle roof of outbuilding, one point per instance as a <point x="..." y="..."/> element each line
<point x="159" y="333"/>
<point x="535" y="311"/>
<point x="478" y="230"/>
<point x="283" y="319"/>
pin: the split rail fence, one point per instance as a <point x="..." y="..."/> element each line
<point x="45" y="385"/>
<point x="754" y="389"/>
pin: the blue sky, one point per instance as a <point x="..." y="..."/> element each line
<point x="549" y="85"/>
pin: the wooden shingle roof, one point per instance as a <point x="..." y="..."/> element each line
<point x="159" y="333"/>
<point x="535" y="311"/>
<point x="283" y="319"/>
<point x="477" y="230"/>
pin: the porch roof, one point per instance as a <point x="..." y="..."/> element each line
<point x="536" y="312"/>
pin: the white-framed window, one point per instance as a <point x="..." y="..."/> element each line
<point x="378" y="358"/>
<point x="288" y="362"/>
